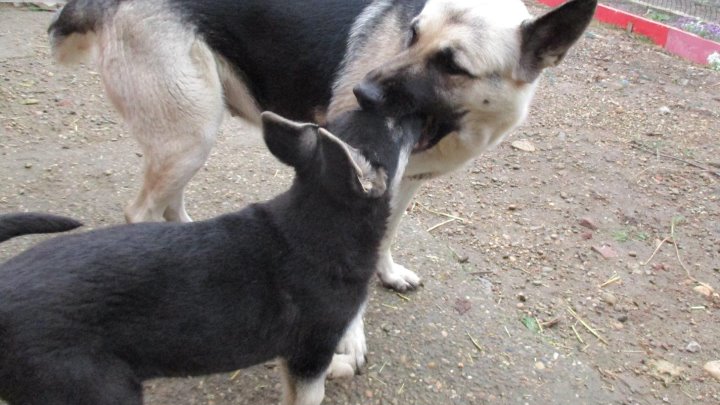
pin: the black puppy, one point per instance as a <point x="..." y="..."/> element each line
<point x="85" y="318"/>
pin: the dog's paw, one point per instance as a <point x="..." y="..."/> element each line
<point x="353" y="345"/>
<point x="398" y="278"/>
<point x="341" y="367"/>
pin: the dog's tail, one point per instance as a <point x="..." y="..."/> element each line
<point x="73" y="31"/>
<point x="12" y="225"/>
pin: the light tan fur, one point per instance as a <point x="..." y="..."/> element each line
<point x="172" y="96"/>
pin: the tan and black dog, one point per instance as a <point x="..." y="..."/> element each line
<point x="172" y="67"/>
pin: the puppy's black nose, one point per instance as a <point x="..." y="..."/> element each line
<point x="369" y="95"/>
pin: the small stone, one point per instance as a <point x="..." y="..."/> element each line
<point x="713" y="367"/>
<point x="524" y="145"/>
<point x="539" y="365"/>
<point x="664" y="110"/>
<point x="704" y="290"/>
<point x="521" y="297"/>
<point x="432" y="365"/>
<point x="609" y="298"/>
<point x="28" y="165"/>
<point x="605" y="251"/>
<point x="512" y="207"/>
<point x="520" y="305"/>
<point x="622" y="318"/>
<point x="693" y="347"/>
<point x="632" y="253"/>
<point x="616" y="325"/>
<point x="588" y="223"/>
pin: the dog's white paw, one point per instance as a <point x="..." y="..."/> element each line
<point x="396" y="276"/>
<point x="353" y="344"/>
<point x="341" y="367"/>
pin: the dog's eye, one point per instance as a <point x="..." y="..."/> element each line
<point x="413" y="34"/>
<point x="445" y="61"/>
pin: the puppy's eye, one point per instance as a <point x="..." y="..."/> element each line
<point x="445" y="62"/>
<point x="413" y="37"/>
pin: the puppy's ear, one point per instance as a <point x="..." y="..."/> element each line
<point x="292" y="142"/>
<point x="344" y="164"/>
<point x="546" y="40"/>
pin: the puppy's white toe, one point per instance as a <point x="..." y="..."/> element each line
<point x="341" y="367"/>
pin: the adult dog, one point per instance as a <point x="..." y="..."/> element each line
<point x="85" y="318"/>
<point x="171" y="68"/>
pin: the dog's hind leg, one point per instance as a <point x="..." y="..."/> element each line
<point x="391" y="274"/>
<point x="164" y="81"/>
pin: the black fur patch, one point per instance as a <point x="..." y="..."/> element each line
<point x="12" y="225"/>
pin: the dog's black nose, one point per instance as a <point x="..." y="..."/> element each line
<point x="369" y="95"/>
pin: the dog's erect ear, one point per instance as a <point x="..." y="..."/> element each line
<point x="344" y="163"/>
<point x="292" y="142"/>
<point x="546" y="40"/>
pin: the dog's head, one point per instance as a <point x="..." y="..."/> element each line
<point x="477" y="57"/>
<point x="365" y="159"/>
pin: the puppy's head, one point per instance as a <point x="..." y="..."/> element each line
<point x="477" y="57"/>
<point x="362" y="165"/>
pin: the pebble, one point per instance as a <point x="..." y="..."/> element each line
<point x="713" y="367"/>
<point x="588" y="223"/>
<point x="609" y="298"/>
<point x="664" y="110"/>
<point x="693" y="347"/>
<point x="539" y="365"/>
<point x="524" y="145"/>
<point x="605" y="251"/>
<point x="28" y="165"/>
<point x="632" y="253"/>
<point x="704" y="290"/>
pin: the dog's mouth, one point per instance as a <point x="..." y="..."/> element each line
<point x="436" y="129"/>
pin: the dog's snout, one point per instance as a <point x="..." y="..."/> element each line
<point x="369" y="95"/>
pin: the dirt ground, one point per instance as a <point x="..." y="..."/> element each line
<point x="626" y="155"/>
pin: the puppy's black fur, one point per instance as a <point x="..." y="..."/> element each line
<point x="85" y="318"/>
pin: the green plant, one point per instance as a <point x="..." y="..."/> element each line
<point x="658" y="16"/>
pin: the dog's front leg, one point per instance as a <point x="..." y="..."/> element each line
<point x="352" y="350"/>
<point x="391" y="274"/>
<point x="301" y="391"/>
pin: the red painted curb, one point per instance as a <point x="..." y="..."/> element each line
<point x="674" y="40"/>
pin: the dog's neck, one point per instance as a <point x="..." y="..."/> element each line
<point x="317" y="225"/>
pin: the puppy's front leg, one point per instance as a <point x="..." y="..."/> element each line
<point x="352" y="350"/>
<point x="301" y="391"/>
<point x="391" y="274"/>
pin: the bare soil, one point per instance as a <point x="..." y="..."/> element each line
<point x="626" y="142"/>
